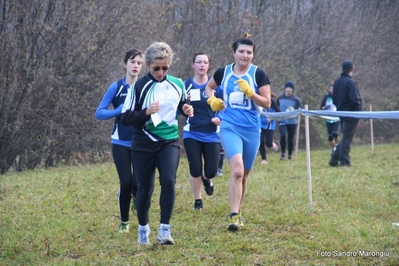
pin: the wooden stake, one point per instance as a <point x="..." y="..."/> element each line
<point x="371" y="131"/>
<point x="308" y="159"/>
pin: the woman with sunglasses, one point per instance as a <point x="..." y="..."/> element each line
<point x="152" y="111"/>
<point x="121" y="138"/>
<point x="200" y="133"/>
<point x="246" y="88"/>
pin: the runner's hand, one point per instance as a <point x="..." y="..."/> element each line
<point x="245" y="88"/>
<point x="215" y="103"/>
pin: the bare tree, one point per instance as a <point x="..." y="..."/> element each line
<point x="58" y="58"/>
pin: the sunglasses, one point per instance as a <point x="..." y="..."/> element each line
<point x="157" y="68"/>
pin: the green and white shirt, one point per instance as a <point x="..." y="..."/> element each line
<point x="162" y="126"/>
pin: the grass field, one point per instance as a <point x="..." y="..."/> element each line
<point x="69" y="216"/>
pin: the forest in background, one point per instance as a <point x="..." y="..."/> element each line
<point x="57" y="58"/>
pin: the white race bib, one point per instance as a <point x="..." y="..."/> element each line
<point x="195" y="95"/>
<point x="236" y="97"/>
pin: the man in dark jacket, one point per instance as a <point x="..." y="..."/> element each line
<point x="346" y="97"/>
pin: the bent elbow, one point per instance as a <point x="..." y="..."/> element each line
<point x="98" y="115"/>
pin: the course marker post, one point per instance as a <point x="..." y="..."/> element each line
<point x="297" y="136"/>
<point x="308" y="159"/>
<point x="371" y="130"/>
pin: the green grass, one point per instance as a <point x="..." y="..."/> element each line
<point x="69" y="216"/>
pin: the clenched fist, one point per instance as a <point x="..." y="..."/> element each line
<point x="245" y="88"/>
<point x="215" y="103"/>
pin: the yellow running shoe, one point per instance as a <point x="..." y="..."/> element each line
<point x="124" y="227"/>
<point x="235" y="222"/>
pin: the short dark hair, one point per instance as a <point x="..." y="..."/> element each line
<point x="209" y="59"/>
<point x="131" y="54"/>
<point x="246" y="41"/>
<point x="347" y="66"/>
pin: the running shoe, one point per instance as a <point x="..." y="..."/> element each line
<point x="197" y="205"/>
<point x="220" y="172"/>
<point x="333" y="162"/>
<point x="235" y="222"/>
<point x="143" y="236"/>
<point x="208" y="186"/>
<point x="274" y="147"/>
<point x="124" y="227"/>
<point x="164" y="237"/>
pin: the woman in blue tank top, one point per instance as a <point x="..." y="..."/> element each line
<point x="246" y="89"/>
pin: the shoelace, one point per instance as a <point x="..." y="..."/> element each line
<point x="235" y="219"/>
<point x="208" y="183"/>
<point x="165" y="233"/>
<point x="143" y="237"/>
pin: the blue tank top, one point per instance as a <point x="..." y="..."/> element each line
<point x="240" y="110"/>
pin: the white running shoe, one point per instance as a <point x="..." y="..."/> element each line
<point x="164" y="236"/>
<point x="274" y="147"/>
<point x="220" y="172"/>
<point x="143" y="235"/>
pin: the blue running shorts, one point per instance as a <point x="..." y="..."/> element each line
<point x="238" y="140"/>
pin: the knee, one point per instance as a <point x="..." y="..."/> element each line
<point x="146" y="194"/>
<point x="196" y="174"/>
<point x="210" y="175"/>
<point x="126" y="185"/>
<point x="168" y="183"/>
<point x="237" y="172"/>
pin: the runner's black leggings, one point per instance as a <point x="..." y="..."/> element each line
<point x="197" y="151"/>
<point x="128" y="186"/>
<point x="287" y="133"/>
<point x="266" y="140"/>
<point x="166" y="160"/>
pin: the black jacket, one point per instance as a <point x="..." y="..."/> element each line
<point x="346" y="96"/>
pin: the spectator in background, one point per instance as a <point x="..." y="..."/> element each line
<point x="268" y="127"/>
<point x="201" y="132"/>
<point x="332" y="126"/>
<point x="156" y="144"/>
<point x="287" y="126"/>
<point x="346" y="97"/>
<point x="121" y="137"/>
